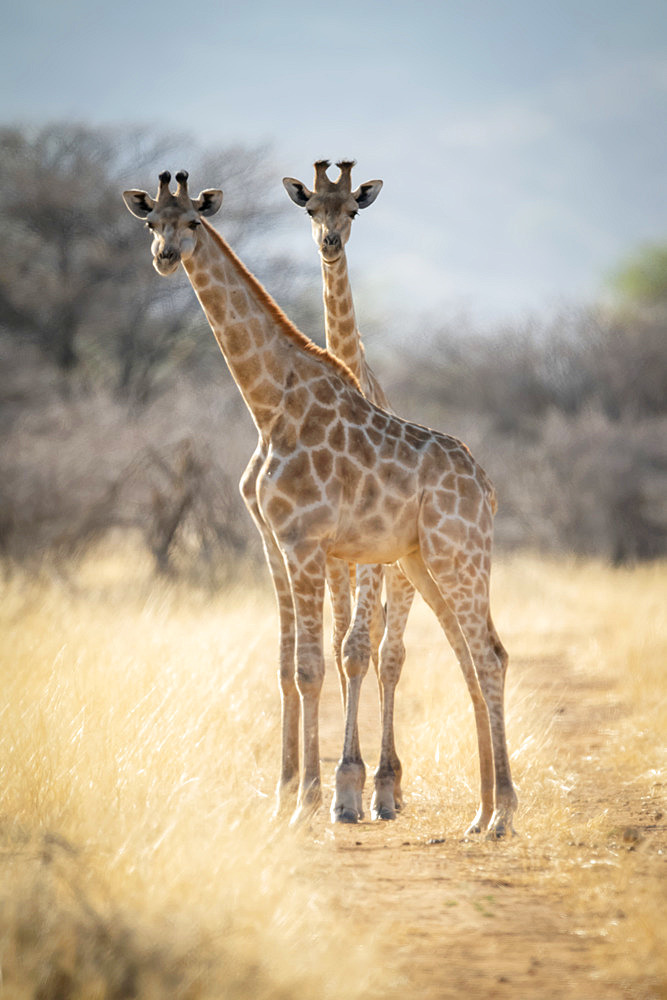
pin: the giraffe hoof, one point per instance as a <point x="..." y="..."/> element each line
<point x="346" y="805"/>
<point x="343" y="815"/>
<point x="500" y="831"/>
<point x="386" y="801"/>
<point x="501" y="824"/>
<point x="384" y="813"/>
<point x="480" y="823"/>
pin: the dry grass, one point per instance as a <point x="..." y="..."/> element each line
<point x="139" y="731"/>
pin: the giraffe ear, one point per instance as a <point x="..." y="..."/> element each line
<point x="297" y="191"/>
<point x="208" y="202"/>
<point x="139" y="203"/>
<point x="366" y="193"/>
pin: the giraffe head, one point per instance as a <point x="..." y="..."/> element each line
<point x="173" y="219"/>
<point x="332" y="205"/>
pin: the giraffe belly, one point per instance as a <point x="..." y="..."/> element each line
<point x="372" y="540"/>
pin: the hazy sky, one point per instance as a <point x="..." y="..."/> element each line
<point x="522" y="143"/>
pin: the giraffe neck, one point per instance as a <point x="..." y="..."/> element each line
<point x="340" y="322"/>
<point x="264" y="351"/>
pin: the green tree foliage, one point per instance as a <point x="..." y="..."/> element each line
<point x="642" y="280"/>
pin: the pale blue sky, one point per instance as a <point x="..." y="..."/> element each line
<point x="522" y="143"/>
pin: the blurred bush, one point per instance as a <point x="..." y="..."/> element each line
<point x="569" y="419"/>
<point x="117" y="413"/>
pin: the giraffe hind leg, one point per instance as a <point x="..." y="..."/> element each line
<point x="467" y="593"/>
<point x="493" y="685"/>
<point x="416" y="570"/>
<point x="306" y="567"/>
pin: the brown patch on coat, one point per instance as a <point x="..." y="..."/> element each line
<point x="278" y="509"/>
<point x="336" y="436"/>
<point x="324" y="392"/>
<point x="238" y="300"/>
<point x="248" y="371"/>
<point x="322" y="463"/>
<point x="296" y="401"/>
<point x="370" y="492"/>
<point x="237" y="338"/>
<point x="469" y="500"/>
<point x="360" y="446"/>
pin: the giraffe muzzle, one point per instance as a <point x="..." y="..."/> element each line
<point x="331" y="246"/>
<point x="169" y="254"/>
<point x="167" y="260"/>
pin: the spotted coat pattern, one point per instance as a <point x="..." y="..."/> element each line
<point x="331" y="206"/>
<point x="339" y="476"/>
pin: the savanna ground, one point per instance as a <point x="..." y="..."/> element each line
<point x="139" y="746"/>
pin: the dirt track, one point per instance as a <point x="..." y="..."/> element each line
<point x="534" y="916"/>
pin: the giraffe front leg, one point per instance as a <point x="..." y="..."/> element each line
<point x="306" y="568"/>
<point x="289" y="696"/>
<point x="347" y="805"/>
<point x="289" y="709"/>
<point x="387" y="795"/>
<point x="492" y="680"/>
<point x="288" y="782"/>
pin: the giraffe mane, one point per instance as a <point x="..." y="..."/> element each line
<point x="289" y="329"/>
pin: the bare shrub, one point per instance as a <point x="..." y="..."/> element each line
<point x="75" y="468"/>
<point x="103" y="318"/>
<point x="569" y="419"/>
<point x="604" y="485"/>
<point x="116" y="410"/>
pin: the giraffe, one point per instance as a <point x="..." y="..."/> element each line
<point x="332" y="205"/>
<point x="342" y="477"/>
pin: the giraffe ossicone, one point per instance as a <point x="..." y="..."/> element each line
<point x="337" y="476"/>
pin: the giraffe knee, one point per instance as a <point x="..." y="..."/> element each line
<point x="356" y="652"/>
<point x="309" y="679"/>
<point x="286" y="675"/>
<point x="392" y="657"/>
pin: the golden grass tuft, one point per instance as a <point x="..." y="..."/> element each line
<point x="139" y="748"/>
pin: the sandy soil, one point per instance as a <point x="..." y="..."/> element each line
<point x="530" y="917"/>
